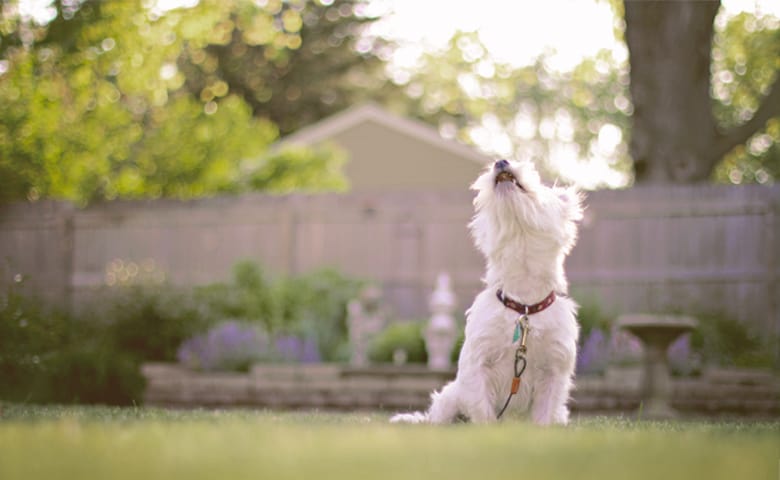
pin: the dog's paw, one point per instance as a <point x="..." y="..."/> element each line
<point x="414" y="417"/>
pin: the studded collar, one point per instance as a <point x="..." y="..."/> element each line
<point x="522" y="308"/>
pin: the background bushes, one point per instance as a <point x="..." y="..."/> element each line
<point x="48" y="355"/>
<point x="94" y="357"/>
<point x="406" y="337"/>
<point x="312" y="307"/>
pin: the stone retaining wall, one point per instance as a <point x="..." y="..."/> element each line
<point x="337" y="387"/>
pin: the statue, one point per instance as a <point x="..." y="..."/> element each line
<point x="441" y="332"/>
<point x="364" y="321"/>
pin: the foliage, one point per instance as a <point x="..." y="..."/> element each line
<point x="560" y="118"/>
<point x="236" y="346"/>
<point x="293" y="349"/>
<point x="310" y="306"/>
<point x="745" y="63"/>
<point x="591" y="316"/>
<point x="293" y="62"/>
<point x="316" y="307"/>
<point x="593" y="352"/>
<point x="226" y="346"/>
<point x="724" y="341"/>
<point x="90" y="369"/>
<point x="95" y="357"/>
<point x="95" y="107"/>
<point x="745" y="93"/>
<point x="29" y="340"/>
<point x="299" y="169"/>
<point x="149" y="323"/>
<point x="404" y="336"/>
<point x="248" y="297"/>
<point x="131" y="443"/>
<point x="532" y="112"/>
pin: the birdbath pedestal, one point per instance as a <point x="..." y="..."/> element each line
<point x="656" y="332"/>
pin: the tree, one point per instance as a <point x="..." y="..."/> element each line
<point x="294" y="62"/>
<point x="675" y="135"/>
<point x="541" y="114"/>
<point x="532" y="112"/>
<point x="744" y="62"/>
<point x="94" y="108"/>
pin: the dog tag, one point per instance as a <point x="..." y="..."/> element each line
<point x="518" y="332"/>
<point x="521" y="330"/>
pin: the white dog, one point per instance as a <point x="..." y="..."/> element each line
<point x="521" y="328"/>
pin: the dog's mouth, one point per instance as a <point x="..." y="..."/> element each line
<point x="506" y="176"/>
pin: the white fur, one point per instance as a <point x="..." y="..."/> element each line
<point x="525" y="236"/>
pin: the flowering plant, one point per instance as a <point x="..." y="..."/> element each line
<point x="227" y="346"/>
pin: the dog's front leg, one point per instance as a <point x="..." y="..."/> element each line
<point x="480" y="400"/>
<point x="549" y="399"/>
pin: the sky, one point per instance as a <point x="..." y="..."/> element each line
<point x="516" y="31"/>
<point x="513" y="31"/>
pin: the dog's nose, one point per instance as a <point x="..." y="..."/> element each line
<point x="501" y="165"/>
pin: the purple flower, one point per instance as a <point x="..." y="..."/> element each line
<point x="227" y="346"/>
<point x="593" y="355"/>
<point x="294" y="349"/>
<point x="682" y="360"/>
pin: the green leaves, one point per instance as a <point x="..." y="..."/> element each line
<point x="746" y="61"/>
<point x="96" y="107"/>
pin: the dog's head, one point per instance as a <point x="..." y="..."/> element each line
<point x="513" y="203"/>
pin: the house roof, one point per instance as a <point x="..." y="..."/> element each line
<point x="370" y="112"/>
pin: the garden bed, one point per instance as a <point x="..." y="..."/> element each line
<point x="744" y="393"/>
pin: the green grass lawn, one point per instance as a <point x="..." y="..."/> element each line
<point x="140" y="443"/>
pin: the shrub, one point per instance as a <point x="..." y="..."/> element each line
<point x="593" y="353"/>
<point x="724" y="341"/>
<point x="30" y="338"/>
<point x="249" y="297"/>
<point x="312" y="307"/>
<point x="227" y="346"/>
<point x="405" y="336"/>
<point x="149" y="323"/>
<point x="590" y="317"/>
<point x="292" y="349"/>
<point x="91" y="371"/>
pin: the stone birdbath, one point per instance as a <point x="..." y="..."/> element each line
<point x="656" y="332"/>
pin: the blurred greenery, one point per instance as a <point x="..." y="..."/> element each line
<point x="724" y="341"/>
<point x="311" y="306"/>
<point x="405" y="336"/>
<point x="531" y="112"/>
<point x="120" y="99"/>
<point x="56" y="442"/>
<point x="96" y="105"/>
<point x="746" y="60"/>
<point x="539" y="113"/>
<point x="591" y="315"/>
<point x="94" y="355"/>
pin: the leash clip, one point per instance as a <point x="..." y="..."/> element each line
<point x="521" y="331"/>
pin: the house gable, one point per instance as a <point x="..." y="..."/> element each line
<point x="388" y="152"/>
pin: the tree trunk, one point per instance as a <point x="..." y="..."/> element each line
<point x="674" y="136"/>
<point x="673" y="128"/>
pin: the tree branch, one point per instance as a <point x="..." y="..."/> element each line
<point x="738" y="135"/>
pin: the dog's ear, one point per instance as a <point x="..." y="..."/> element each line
<point x="571" y="199"/>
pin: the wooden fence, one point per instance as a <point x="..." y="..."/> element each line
<point x="691" y="248"/>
